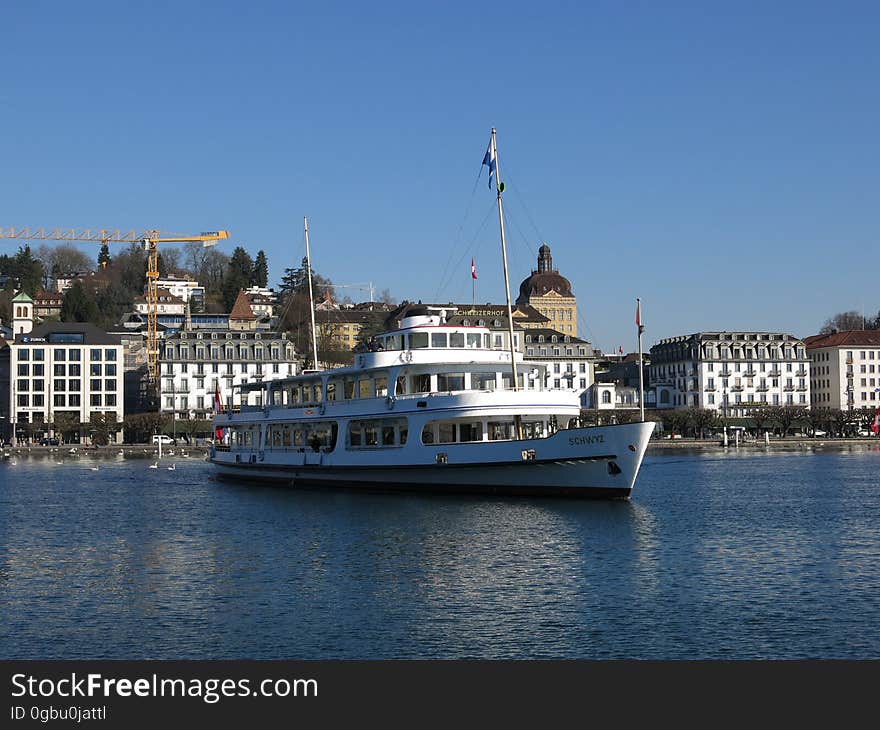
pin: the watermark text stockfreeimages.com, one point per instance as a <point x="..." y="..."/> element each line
<point x="209" y="690"/>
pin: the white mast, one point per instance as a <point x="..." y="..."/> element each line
<point x="311" y="297"/>
<point x="641" y="328"/>
<point x="499" y="188"/>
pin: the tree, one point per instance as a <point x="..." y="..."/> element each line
<point x="79" y="304"/>
<point x="238" y="276"/>
<point x="787" y="416"/>
<point x="24" y="269"/>
<point x="63" y="259"/>
<point x="385" y="297"/>
<point x="843" y="321"/>
<point x="761" y="417"/>
<point x="673" y="421"/>
<point x="260" y="274"/>
<point x="66" y="425"/>
<point x="104" y="256"/>
<point x="701" y="419"/>
<point x="112" y="302"/>
<point x="102" y="426"/>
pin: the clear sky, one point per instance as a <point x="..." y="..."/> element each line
<point x="719" y="160"/>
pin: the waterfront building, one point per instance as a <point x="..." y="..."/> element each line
<point x="730" y="372"/>
<point x="845" y="369"/>
<point x="64" y="371"/>
<point x="194" y="364"/>
<point x="569" y="361"/>
<point x="550" y="293"/>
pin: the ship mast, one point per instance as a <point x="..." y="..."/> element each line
<point x="311" y="296"/>
<point x="499" y="188"/>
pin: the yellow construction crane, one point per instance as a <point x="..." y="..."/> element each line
<point x="150" y="240"/>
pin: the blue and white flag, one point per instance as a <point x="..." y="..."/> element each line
<point x="489" y="161"/>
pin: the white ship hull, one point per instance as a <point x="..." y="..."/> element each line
<point x="597" y="462"/>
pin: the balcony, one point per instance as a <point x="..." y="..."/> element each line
<point x="725" y="373"/>
<point x="788" y="388"/>
<point x="802" y="388"/>
<point x="775" y="373"/>
<point x="802" y="373"/>
<point x="762" y="388"/>
<point x="736" y="389"/>
<point x="710" y="388"/>
<point x="849" y="361"/>
<point x="749" y="373"/>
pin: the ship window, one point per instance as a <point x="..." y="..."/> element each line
<point x="349" y="389"/>
<point x="456" y="339"/>
<point x="438" y="339"/>
<point x="446" y="432"/>
<point x="500" y="430"/>
<point x="418" y="340"/>
<point x="422" y="383"/>
<point x="428" y="434"/>
<point x="450" y="381"/>
<point x="486" y="341"/>
<point x="388" y="435"/>
<point x="394" y="342"/>
<point x="381" y="387"/>
<point x="470" y="431"/>
<point x="473" y="339"/>
<point x="483" y="381"/>
<point x="400" y="388"/>
<point x="331" y="391"/>
<point x="365" y="388"/>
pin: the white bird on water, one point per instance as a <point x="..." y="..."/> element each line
<point x="93" y="468"/>
<point x="154" y="466"/>
<point x="173" y="467"/>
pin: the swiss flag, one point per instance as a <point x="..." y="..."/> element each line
<point x="875" y="427"/>
<point x="473" y="269"/>
<point x="218" y="409"/>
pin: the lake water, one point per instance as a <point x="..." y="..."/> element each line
<point x="738" y="555"/>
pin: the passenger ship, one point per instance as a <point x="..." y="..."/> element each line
<point x="432" y="407"/>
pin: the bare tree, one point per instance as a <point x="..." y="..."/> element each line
<point x="843" y="321"/>
<point x="194" y="256"/>
<point x="63" y="259"/>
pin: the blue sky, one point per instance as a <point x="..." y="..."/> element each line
<point x="720" y="160"/>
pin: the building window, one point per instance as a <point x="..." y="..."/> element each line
<point x="95" y="355"/>
<point x="606" y="396"/>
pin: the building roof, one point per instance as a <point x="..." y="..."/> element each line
<point x="544" y="279"/>
<point x="22" y="296"/>
<point x="548" y="334"/>
<point x="92" y="334"/>
<point x="47" y="296"/>
<point x="241" y="310"/>
<point x="852" y="338"/>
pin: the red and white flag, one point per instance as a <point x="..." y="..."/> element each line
<point x="620" y="349"/>
<point x="875" y="427"/>
<point x="638" y="313"/>
<point x="218" y="409"/>
<point x="473" y="269"/>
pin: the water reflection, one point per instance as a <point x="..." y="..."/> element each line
<point x="744" y="555"/>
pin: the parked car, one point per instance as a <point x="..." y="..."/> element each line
<point x="164" y="440"/>
<point x="864" y="432"/>
<point x="817" y="432"/>
<point x="49" y="442"/>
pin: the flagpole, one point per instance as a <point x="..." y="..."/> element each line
<point x="311" y="296"/>
<point x="641" y="329"/>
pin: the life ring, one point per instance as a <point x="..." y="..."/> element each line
<point x="406" y="356"/>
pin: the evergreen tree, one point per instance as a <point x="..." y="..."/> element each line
<point x="25" y="269"/>
<point x="79" y="305"/>
<point x="161" y="266"/>
<point x="238" y="276"/>
<point x="104" y="256"/>
<point x="260" y="276"/>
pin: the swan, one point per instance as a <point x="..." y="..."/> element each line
<point x="93" y="468"/>
<point x="173" y="467"/>
<point x="154" y="466"/>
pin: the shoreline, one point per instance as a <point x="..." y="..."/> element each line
<point x="715" y="444"/>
